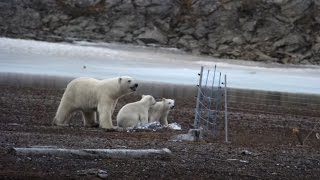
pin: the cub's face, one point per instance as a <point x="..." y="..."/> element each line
<point x="169" y="103"/>
<point x="128" y="84"/>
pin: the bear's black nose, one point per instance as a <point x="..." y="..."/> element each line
<point x="172" y="107"/>
<point x="136" y="85"/>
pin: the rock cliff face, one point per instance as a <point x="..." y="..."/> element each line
<point x="283" y="31"/>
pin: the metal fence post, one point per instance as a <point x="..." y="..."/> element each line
<point x="225" y="109"/>
<point x="211" y="97"/>
<point x="197" y="113"/>
<point x="207" y="79"/>
<point x="215" y="121"/>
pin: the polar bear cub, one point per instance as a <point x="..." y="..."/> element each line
<point x="159" y="111"/>
<point x="90" y="95"/>
<point x="136" y="113"/>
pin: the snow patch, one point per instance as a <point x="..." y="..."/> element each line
<point x="156" y="126"/>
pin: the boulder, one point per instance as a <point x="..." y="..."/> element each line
<point x="291" y="43"/>
<point x="187" y="42"/>
<point x="296" y="9"/>
<point x="153" y="36"/>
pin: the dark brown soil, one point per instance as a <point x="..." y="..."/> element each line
<point x="25" y="120"/>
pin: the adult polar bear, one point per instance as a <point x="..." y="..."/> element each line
<point x="135" y="113"/>
<point x="90" y="95"/>
<point x="159" y="111"/>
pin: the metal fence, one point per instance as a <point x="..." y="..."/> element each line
<point x="217" y="104"/>
<point x="276" y="110"/>
<point x="209" y="99"/>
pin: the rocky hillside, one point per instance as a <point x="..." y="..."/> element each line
<point x="283" y="31"/>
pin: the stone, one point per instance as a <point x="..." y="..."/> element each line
<point x="296" y="9"/>
<point x="187" y="42"/>
<point x="162" y="9"/>
<point x="291" y="42"/>
<point x="102" y="174"/>
<point x="126" y="23"/>
<point x="82" y="3"/>
<point x="128" y="38"/>
<point x="28" y="18"/>
<point x="249" y="26"/>
<point x="206" y="7"/>
<point x="116" y="34"/>
<point x="153" y="36"/>
<point x="193" y="135"/>
<point x="316" y="48"/>
<point x="238" y="40"/>
<point x="200" y="30"/>
<point x="263" y="57"/>
<point x="185" y="29"/>
<point x="163" y="25"/>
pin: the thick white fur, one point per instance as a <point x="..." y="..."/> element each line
<point x="159" y="111"/>
<point x="90" y="95"/>
<point x="135" y="113"/>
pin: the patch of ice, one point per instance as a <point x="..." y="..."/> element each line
<point x="174" y="126"/>
<point x="156" y="125"/>
<point x="152" y="125"/>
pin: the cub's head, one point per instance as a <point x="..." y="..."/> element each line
<point x="127" y="84"/>
<point x="168" y="103"/>
<point x="148" y="98"/>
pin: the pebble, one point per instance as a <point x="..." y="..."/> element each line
<point x="102" y="174"/>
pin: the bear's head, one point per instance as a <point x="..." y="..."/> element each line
<point x="149" y="99"/>
<point x="127" y="84"/>
<point x="168" y="103"/>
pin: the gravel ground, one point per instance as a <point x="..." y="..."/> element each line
<point x="260" y="148"/>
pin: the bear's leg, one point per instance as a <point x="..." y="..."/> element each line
<point x="164" y="119"/>
<point x="151" y="118"/>
<point x="63" y="114"/>
<point x="114" y="106"/>
<point x="144" y="118"/>
<point x="89" y="119"/>
<point x="105" y="120"/>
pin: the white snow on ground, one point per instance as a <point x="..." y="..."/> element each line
<point x="156" y="125"/>
<point x="103" y="60"/>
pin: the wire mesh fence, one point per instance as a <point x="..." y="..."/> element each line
<point x="277" y="109"/>
<point x="217" y="105"/>
<point x="209" y="101"/>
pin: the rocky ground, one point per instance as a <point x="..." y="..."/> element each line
<point x="278" y="31"/>
<point x="258" y="150"/>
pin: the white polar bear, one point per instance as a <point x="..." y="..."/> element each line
<point x="135" y="113"/>
<point x="90" y="95"/>
<point x="159" y="111"/>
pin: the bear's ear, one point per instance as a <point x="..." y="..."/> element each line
<point x="119" y="80"/>
<point x="163" y="99"/>
<point x="142" y="95"/>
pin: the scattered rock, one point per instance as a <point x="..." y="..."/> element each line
<point x="102" y="174"/>
<point x="242" y="161"/>
<point x="216" y="28"/>
<point x="246" y="152"/>
<point x="193" y="135"/>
